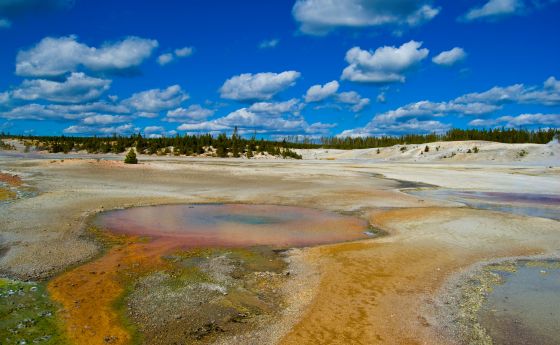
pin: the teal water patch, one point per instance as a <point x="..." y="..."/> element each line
<point x="525" y="307"/>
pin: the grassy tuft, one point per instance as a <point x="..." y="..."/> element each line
<point x="27" y="315"/>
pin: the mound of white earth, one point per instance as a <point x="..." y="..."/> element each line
<point x="448" y="152"/>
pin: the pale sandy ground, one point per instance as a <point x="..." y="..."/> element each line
<point x="368" y="292"/>
<point x="448" y="152"/>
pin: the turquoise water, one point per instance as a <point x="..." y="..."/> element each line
<point x="525" y="309"/>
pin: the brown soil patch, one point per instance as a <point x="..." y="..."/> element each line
<point x="11" y="180"/>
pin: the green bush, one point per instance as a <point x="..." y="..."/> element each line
<point x="6" y="146"/>
<point x="131" y="157"/>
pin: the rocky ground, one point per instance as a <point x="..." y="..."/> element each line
<point x="382" y="290"/>
<point x="208" y="295"/>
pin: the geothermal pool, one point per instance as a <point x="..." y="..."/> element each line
<point x="234" y="225"/>
<point x="526" y="204"/>
<point x="525" y="308"/>
<point x="165" y="241"/>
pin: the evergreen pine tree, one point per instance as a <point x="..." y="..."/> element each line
<point x="261" y="146"/>
<point x="222" y="149"/>
<point x="140" y="144"/>
<point x="131" y="157"/>
<point x="235" y="143"/>
<point x="253" y="143"/>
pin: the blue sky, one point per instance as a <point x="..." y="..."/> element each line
<point x="278" y="68"/>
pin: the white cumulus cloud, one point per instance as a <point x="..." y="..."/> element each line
<point x="63" y="111"/>
<point x="33" y="112"/>
<point x="191" y="113"/>
<point x="357" y="102"/>
<point x="348" y="99"/>
<point x="259" y="86"/>
<point x="154" y="130"/>
<point x="381" y="97"/>
<point x="96" y="130"/>
<point x="166" y="58"/>
<point x="427" y="109"/>
<point x="450" y="57"/>
<point x="156" y="100"/>
<point x="77" y="88"/>
<point x="409" y="126"/>
<point x="419" y="116"/>
<point x="522" y="120"/>
<point x="105" y="119"/>
<point x="184" y="52"/>
<point x="36" y="111"/>
<point x="548" y="94"/>
<point x="53" y="57"/>
<point x="292" y="106"/>
<point x="494" y="8"/>
<point x="280" y="118"/>
<point x="248" y="121"/>
<point x="386" y="64"/>
<point x="319" y="17"/>
<point x="317" y="93"/>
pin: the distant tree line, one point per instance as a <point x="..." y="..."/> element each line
<point x="502" y="135"/>
<point x="236" y="146"/>
<point x="187" y="145"/>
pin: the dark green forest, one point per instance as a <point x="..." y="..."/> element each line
<point x="501" y="135"/>
<point x="188" y="145"/>
<point x="236" y="146"/>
